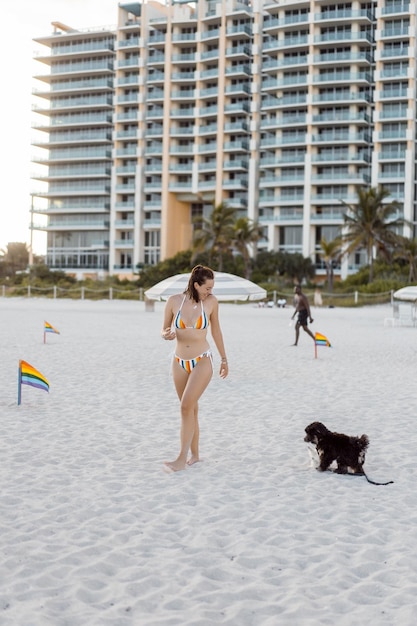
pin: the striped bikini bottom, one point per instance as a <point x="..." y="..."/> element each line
<point x="189" y="364"/>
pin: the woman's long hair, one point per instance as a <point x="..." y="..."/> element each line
<point x="199" y="274"/>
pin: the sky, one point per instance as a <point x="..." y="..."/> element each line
<point x="22" y="22"/>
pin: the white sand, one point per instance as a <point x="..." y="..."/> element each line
<point x="93" y="532"/>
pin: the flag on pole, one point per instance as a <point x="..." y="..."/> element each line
<point x="320" y="340"/>
<point x="48" y="328"/>
<point x="28" y="375"/>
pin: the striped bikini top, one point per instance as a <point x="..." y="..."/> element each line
<point x="201" y="323"/>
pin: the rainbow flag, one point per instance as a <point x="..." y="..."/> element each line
<point x="28" y="375"/>
<point x="48" y="328"/>
<point x="321" y="340"/>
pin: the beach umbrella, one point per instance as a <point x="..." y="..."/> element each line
<point x="227" y="287"/>
<point x="409" y="294"/>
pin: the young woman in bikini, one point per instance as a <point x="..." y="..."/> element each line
<point x="187" y="318"/>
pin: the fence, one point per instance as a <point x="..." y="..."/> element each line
<point x="355" y="298"/>
<point x="76" y="293"/>
<point x="352" y="299"/>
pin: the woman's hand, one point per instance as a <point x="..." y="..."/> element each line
<point x="168" y="334"/>
<point x="224" y="369"/>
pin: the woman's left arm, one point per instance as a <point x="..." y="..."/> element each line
<point x="217" y="335"/>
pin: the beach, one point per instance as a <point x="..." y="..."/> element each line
<point x="93" y="532"/>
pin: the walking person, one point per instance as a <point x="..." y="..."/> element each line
<point x="302" y="307"/>
<point x="187" y="317"/>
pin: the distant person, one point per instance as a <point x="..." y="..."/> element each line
<point x="187" y="317"/>
<point x="302" y="307"/>
<point x="318" y="300"/>
<point x="281" y="303"/>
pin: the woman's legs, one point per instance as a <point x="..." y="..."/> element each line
<point x="189" y="388"/>
<point x="194" y="449"/>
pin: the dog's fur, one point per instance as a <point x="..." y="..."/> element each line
<point x="326" y="447"/>
<point x="347" y="452"/>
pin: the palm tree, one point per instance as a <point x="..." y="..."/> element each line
<point x="331" y="252"/>
<point x="245" y="233"/>
<point x="407" y="251"/>
<point x="15" y="257"/>
<point x="215" y="233"/>
<point x="369" y="223"/>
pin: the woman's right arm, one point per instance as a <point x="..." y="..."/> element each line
<point x="167" y="332"/>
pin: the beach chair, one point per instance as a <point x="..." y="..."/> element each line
<point x="403" y="314"/>
<point x="414" y="314"/>
<point x="395" y="319"/>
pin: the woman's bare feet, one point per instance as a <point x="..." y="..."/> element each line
<point x="174" y="466"/>
<point x="193" y="459"/>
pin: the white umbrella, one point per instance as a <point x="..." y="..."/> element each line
<point x="227" y="287"/>
<point x="406" y="293"/>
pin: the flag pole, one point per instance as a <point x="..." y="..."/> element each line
<point x="19" y="385"/>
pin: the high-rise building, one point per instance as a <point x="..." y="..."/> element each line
<point x="279" y="108"/>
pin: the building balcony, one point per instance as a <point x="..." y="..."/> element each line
<point x="182" y="113"/>
<point x="273" y="23"/>
<point x="328" y="215"/>
<point x="181" y="168"/>
<point x="208" y="166"/>
<point x="180" y="186"/>
<point x="124" y="81"/>
<point x="236" y="145"/>
<point x="235" y="165"/>
<point x="284" y="216"/>
<point x="392" y="155"/>
<point x="235" y="183"/>
<point x="341" y="14"/>
<point x="124" y="243"/>
<point x="156" y="59"/>
<point x="341" y="157"/>
<point x="183" y="37"/>
<point x="131" y="133"/>
<point x="345" y="77"/>
<point x="181" y="131"/>
<point x="72" y="49"/>
<point x="182" y="150"/>
<point x="341" y="35"/>
<point x="77" y="224"/>
<point x="344" y="137"/>
<point x="123" y="44"/>
<point x="185" y="76"/>
<point x="130" y="151"/>
<point x="343" y="57"/>
<point x="152" y="222"/>
<point x="208" y="129"/>
<point x="288" y="42"/>
<point x="342" y="96"/>
<point x="155" y="77"/>
<point x="132" y="62"/>
<point x="396" y="32"/>
<point x="214" y="33"/>
<point x="184" y="94"/>
<point x="342" y="117"/>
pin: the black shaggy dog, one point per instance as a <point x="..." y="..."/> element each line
<point x="347" y="452"/>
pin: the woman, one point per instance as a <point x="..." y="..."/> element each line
<point x="186" y="318"/>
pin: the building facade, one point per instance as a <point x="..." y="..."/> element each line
<point x="278" y="108"/>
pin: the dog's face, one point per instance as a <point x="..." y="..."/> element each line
<point x="347" y="452"/>
<point x="315" y="431"/>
